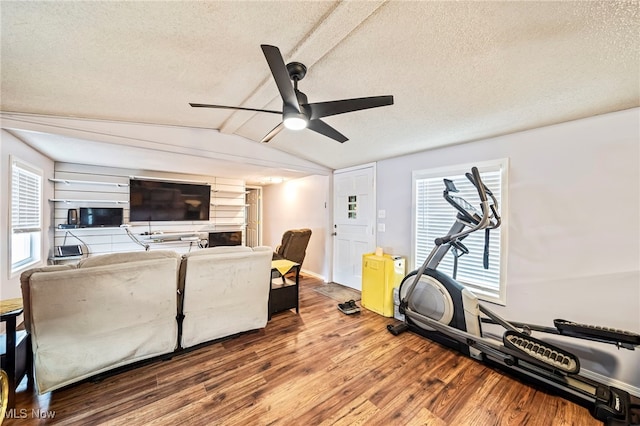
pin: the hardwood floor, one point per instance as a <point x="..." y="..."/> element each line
<point x="320" y="367"/>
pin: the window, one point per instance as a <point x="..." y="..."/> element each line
<point x="26" y="215"/>
<point x="433" y="218"/>
<point x="352" y="206"/>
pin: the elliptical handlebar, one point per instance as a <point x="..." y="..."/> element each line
<point x="482" y="194"/>
<point x="485" y="221"/>
<point x="477" y="182"/>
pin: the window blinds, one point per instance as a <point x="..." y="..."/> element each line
<point x="26" y="194"/>
<point x="434" y="217"/>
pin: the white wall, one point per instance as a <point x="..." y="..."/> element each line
<point x="300" y="203"/>
<point x="10" y="285"/>
<point x="574" y="225"/>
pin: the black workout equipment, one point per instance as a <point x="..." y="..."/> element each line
<point x="438" y="307"/>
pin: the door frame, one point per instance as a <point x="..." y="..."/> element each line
<point x="374" y="206"/>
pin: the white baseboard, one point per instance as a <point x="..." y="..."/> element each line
<point x="634" y="390"/>
<point x="313" y="274"/>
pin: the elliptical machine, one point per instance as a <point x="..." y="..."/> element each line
<point x="438" y="307"/>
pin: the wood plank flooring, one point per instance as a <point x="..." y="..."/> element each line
<point x="320" y="367"/>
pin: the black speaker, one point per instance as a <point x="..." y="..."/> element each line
<point x="72" y="217"/>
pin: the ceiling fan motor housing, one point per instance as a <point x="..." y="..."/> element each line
<point x="296" y="70"/>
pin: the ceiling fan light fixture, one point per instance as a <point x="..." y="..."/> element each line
<point x="295" y="121"/>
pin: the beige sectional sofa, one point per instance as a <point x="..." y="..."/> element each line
<point x="117" y="309"/>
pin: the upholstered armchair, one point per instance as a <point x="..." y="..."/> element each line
<point x="293" y="246"/>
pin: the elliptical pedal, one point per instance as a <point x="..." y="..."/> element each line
<point x="542" y="352"/>
<point x="398" y="328"/>
<point x="571" y="328"/>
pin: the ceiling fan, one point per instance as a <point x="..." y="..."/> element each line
<point x="297" y="112"/>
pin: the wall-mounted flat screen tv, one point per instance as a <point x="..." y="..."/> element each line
<point x="95" y="217"/>
<point x="152" y="201"/>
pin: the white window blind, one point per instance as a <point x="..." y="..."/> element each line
<point x="25" y="200"/>
<point x="26" y="214"/>
<point x="434" y="216"/>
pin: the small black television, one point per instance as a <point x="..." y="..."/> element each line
<point x="229" y="238"/>
<point x="96" y="217"/>
<point x="154" y="200"/>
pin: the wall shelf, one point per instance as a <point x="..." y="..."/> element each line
<point x="163" y="179"/>
<point x="53" y="260"/>
<point x="62" y="200"/>
<point x="229" y="191"/>
<point x="87" y="182"/>
<point x="173" y="237"/>
<point x="86" y="228"/>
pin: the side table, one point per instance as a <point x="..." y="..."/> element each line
<point x="284" y="296"/>
<point x="15" y="354"/>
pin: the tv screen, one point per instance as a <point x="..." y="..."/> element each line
<point x="94" y="217"/>
<point x="151" y="200"/>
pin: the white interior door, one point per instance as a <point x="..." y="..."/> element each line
<point x="253" y="217"/>
<point x="354" y="221"/>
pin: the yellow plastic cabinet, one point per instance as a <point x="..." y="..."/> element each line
<point x="380" y="274"/>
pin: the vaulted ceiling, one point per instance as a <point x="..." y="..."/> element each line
<point x="109" y="83"/>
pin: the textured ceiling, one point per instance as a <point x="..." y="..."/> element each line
<point x="459" y="71"/>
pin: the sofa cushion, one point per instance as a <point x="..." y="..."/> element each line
<point x="120" y="258"/>
<point x="211" y="251"/>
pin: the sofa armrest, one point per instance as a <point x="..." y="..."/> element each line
<point x="25" y="278"/>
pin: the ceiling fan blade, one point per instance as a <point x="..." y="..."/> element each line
<point x="280" y="75"/>
<point x="232" y="107"/>
<point x="272" y="133"/>
<point x="324" y="129"/>
<point x="325" y="109"/>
